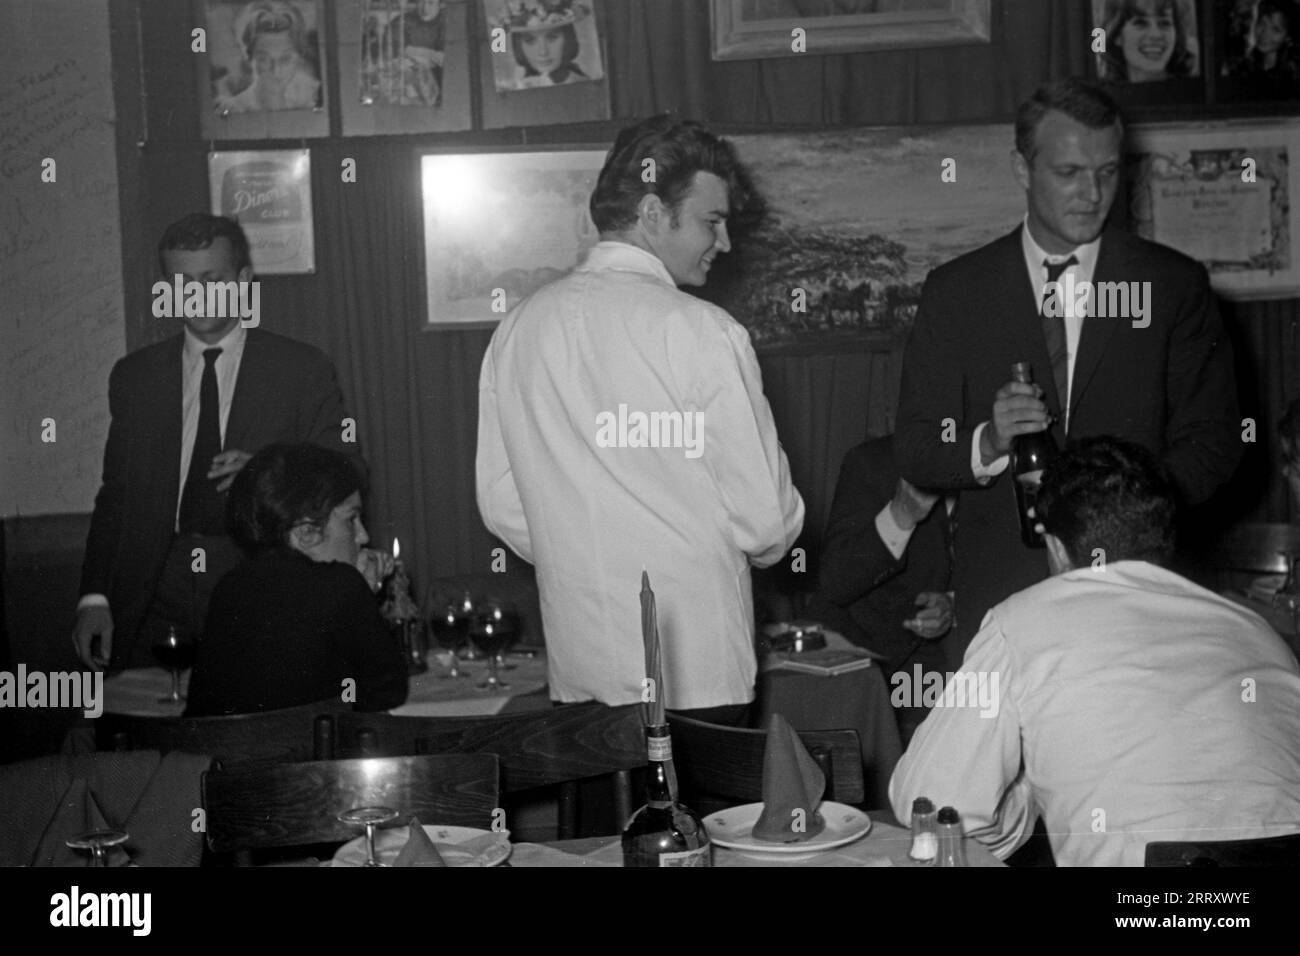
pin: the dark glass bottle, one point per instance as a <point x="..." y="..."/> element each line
<point x="663" y="832"/>
<point x="1029" y="456"/>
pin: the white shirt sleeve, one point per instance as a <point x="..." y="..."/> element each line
<point x="741" y="451"/>
<point x="498" y="495"/>
<point x="967" y="754"/>
<point x="985" y="474"/>
<point x="893" y="537"/>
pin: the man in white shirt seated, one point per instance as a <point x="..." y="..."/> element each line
<point x="1120" y="701"/>
<point x="622" y="427"/>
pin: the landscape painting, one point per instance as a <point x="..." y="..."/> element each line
<point x="855" y="222"/>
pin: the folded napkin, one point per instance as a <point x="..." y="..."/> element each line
<point x="793" y="785"/>
<point x="78" y="812"/>
<point x="419" y="849"/>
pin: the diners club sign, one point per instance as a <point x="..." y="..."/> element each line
<point x="269" y="193"/>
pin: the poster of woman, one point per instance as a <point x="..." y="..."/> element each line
<point x="403" y="44"/>
<point x="1262" y="48"/>
<point x="1147" y="41"/>
<point x="264" y="55"/>
<point x="542" y="43"/>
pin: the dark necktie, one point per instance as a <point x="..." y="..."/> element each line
<point x="203" y="509"/>
<point x="1054" y="335"/>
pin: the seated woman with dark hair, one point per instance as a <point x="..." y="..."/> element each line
<point x="297" y="621"/>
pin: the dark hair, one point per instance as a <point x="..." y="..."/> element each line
<point x="285" y="485"/>
<point x="199" y="230"/>
<point x="1109" y="494"/>
<point x="1082" y="102"/>
<point x="1118" y="13"/>
<point x="680" y="149"/>
<point x="1288" y="430"/>
<point x="569" y="54"/>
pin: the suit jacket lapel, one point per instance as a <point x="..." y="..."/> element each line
<point x="169" y="424"/>
<point x="1096" y="333"/>
<point x="251" y="382"/>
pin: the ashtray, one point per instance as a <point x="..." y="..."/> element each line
<point x="796" y="637"/>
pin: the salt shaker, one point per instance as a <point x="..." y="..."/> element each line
<point x="925" y="841"/>
<point x="952" y="842"/>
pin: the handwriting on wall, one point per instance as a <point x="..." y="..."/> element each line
<point x="61" y="321"/>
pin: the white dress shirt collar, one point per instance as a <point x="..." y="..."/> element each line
<point x="1035" y="254"/>
<point x="624" y="257"/>
<point x="232" y="343"/>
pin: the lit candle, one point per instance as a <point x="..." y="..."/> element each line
<point x="397" y="550"/>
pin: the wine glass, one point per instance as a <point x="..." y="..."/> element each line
<point x="487" y="632"/>
<point x="507" y="624"/>
<point x="450" y="628"/>
<point x="176" y="654"/>
<point x="467" y="607"/>
<point x="1288" y="595"/>
<point x="369" y="817"/>
<point x="97" y="841"/>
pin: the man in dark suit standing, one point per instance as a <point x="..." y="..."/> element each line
<point x="1156" y="370"/>
<point x="187" y="414"/>
<point x="885" y="569"/>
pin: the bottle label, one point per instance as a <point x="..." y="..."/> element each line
<point x="659" y="749"/>
<point x="703" y="856"/>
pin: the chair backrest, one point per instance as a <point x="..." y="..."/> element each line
<point x="727" y="762"/>
<point x="296" y="804"/>
<point x="536" y="749"/>
<point x="273" y="736"/>
<point x="1265" y="851"/>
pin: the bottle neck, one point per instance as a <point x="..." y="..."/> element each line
<point x="660" y="784"/>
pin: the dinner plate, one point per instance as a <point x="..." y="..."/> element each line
<point x="458" y="846"/>
<point x="734" y="829"/>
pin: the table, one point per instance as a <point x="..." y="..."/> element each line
<point x="858" y="700"/>
<point x="886" y="845"/>
<point x="136" y="692"/>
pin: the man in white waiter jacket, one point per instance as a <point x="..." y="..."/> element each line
<point x="622" y="427"/>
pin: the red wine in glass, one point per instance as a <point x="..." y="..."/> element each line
<point x="489" y="636"/>
<point x="176" y="654"/>
<point x="451" y="629"/>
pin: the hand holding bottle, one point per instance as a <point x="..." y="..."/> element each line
<point x="1018" y="409"/>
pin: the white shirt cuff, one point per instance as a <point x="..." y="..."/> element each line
<point x="92" y="600"/>
<point x="982" y="474"/>
<point x="894" y="537"/>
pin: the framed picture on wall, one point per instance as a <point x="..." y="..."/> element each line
<point x="1149" y="52"/>
<point x="264" y="72"/>
<point x="403" y="66"/>
<point x="1259" y="50"/>
<point x="1224" y="195"/>
<point x="269" y="193"/>
<point x="538" y="44"/>
<point x="499" y="226"/>
<point x="755" y="29"/>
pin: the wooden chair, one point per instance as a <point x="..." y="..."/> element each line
<point x="297" y="804"/>
<point x="274" y="736"/>
<point x="561" y="745"/>
<point x="720" y="767"/>
<point x="1266" y="851"/>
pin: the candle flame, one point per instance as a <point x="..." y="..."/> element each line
<point x="397" y="549"/>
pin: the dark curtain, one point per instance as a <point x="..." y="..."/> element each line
<point x="414" y="392"/>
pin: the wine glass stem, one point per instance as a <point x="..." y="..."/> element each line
<point x="370" y="845"/>
<point x="176" y="683"/>
<point x="97" y="855"/>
